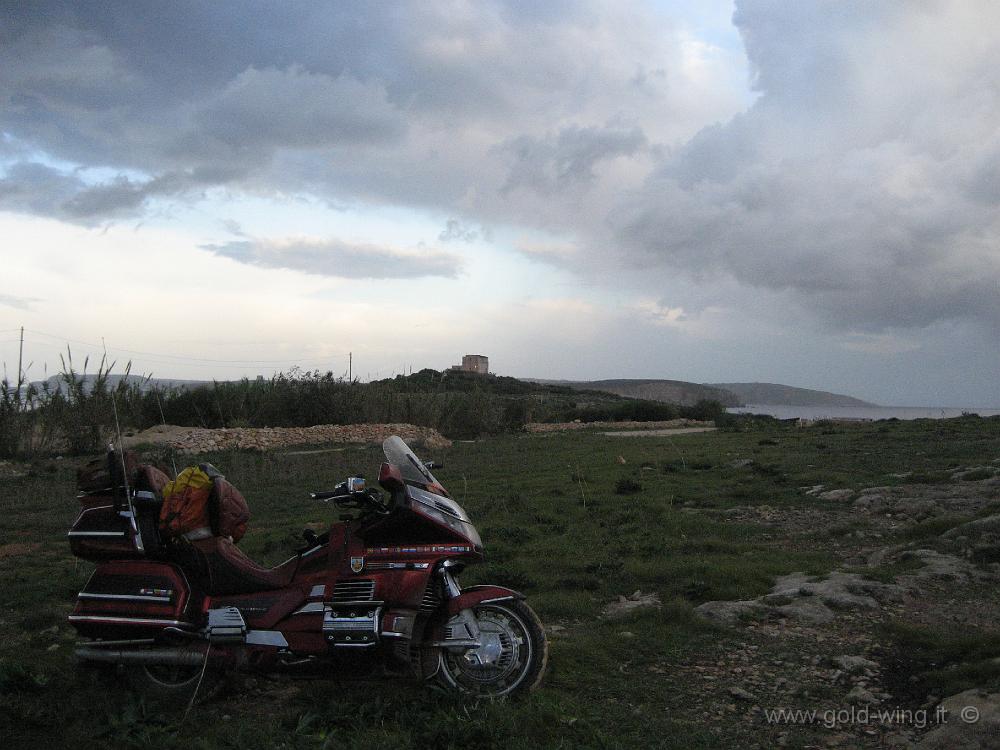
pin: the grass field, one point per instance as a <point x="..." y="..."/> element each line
<point x="563" y="520"/>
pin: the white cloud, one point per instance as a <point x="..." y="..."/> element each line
<point x="659" y="314"/>
<point x="332" y="257"/>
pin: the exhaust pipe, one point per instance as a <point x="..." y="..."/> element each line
<point x="173" y="656"/>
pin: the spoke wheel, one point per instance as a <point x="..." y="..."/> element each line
<point x="511" y="659"/>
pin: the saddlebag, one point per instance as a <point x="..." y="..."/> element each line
<point x="132" y="599"/>
<point x="103" y="530"/>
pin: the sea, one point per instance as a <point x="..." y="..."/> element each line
<point x="859" y="412"/>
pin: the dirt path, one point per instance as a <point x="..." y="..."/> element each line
<point x="639" y="428"/>
<point x="660" y="433"/>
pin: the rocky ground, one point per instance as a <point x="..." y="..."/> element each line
<point x="816" y="643"/>
<point x="199" y="440"/>
<point x="809" y="663"/>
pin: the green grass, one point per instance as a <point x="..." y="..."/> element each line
<point x="555" y="526"/>
<point x="943" y="661"/>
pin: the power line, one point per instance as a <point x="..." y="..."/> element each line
<point x="182" y="358"/>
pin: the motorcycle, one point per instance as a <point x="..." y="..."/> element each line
<point x="375" y="595"/>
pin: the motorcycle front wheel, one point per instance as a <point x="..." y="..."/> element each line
<point x="511" y="660"/>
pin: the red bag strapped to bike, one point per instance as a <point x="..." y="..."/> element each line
<point x="200" y="503"/>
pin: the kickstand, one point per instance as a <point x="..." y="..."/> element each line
<point x="204" y="666"/>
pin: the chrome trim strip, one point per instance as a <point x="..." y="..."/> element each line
<point x="393" y="634"/>
<point x="126" y="620"/>
<point x="309" y="609"/>
<point x="496" y="599"/>
<point x="318" y="590"/>
<point x="124" y="597"/>
<point x="304" y="554"/>
<point x="95" y="533"/>
<point x="397" y="565"/>
<point x="266" y="638"/>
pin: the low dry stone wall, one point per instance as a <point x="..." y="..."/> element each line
<point x="200" y="440"/>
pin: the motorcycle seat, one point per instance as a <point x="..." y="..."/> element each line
<point x="219" y="567"/>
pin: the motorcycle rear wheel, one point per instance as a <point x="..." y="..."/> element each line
<point x="510" y="662"/>
<point x="173" y="686"/>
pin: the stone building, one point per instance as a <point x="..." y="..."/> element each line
<point x="476" y="363"/>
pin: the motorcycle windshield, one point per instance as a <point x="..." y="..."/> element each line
<point x="412" y="468"/>
<point x="427" y="501"/>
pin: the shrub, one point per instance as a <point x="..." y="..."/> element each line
<point x="626" y="486"/>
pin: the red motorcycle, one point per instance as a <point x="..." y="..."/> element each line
<point x="377" y="594"/>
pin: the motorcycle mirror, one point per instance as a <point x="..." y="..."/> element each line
<point x="355" y="484"/>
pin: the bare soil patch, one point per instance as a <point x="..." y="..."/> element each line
<point x="17" y="549"/>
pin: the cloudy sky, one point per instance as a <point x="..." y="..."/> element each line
<point x="804" y="193"/>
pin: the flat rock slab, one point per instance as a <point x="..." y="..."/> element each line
<point x="626" y="604"/>
<point x="990" y="524"/>
<point x="807" y="599"/>
<point x="973" y="723"/>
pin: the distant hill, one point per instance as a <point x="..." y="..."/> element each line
<point x="786" y="395"/>
<point x="667" y="391"/>
<point x="56" y="383"/>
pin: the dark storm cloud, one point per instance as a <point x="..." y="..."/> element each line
<point x="371" y="100"/>
<point x="864" y="178"/>
<point x="35" y="188"/>
<point x="211" y="93"/>
<point x="31" y="187"/>
<point x="862" y="182"/>
<point x="567" y="157"/>
<point x="338" y="259"/>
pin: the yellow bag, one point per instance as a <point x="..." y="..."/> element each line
<point x="185" y="508"/>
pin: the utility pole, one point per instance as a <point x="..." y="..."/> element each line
<point x="20" y="356"/>
<point x="350" y="364"/>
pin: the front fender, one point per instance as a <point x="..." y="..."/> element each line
<point x="474" y="595"/>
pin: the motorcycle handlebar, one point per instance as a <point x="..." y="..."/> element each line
<point x="345" y="498"/>
<point x="327" y="495"/>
